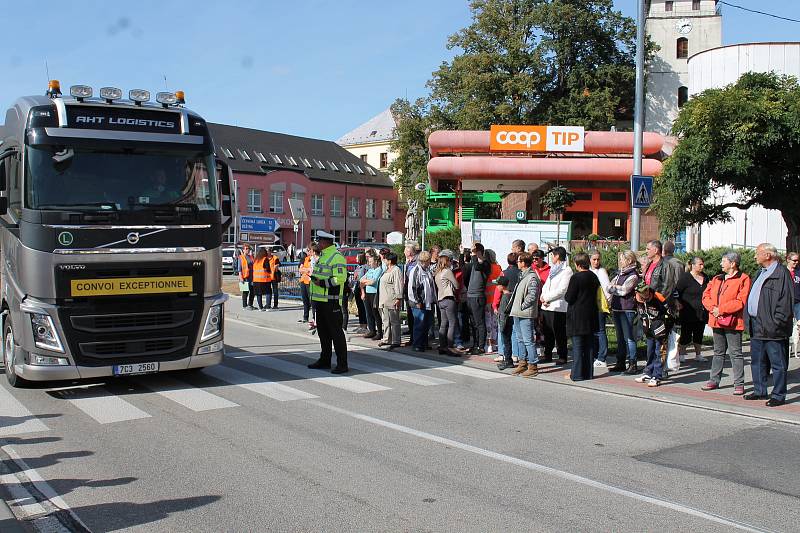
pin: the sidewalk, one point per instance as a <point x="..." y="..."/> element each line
<point x="682" y="387"/>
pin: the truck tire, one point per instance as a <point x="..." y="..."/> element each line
<point x="8" y="356"/>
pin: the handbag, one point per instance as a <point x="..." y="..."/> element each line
<point x="278" y="276"/>
<point x="602" y="302"/>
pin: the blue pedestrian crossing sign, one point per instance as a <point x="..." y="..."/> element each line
<point x="642" y="191"/>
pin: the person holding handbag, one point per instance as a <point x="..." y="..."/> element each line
<point x="692" y="315"/>
<point x="724" y="298"/>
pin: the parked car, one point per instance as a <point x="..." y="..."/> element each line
<point x="374" y="245"/>
<point x="229" y="260"/>
<point x="350" y="253"/>
<point x="277" y="250"/>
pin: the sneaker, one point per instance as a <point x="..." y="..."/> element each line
<point x="701" y="359"/>
<point x="653" y="382"/>
<point x="738" y="390"/>
<point x="642" y="379"/>
<point x="499" y="359"/>
<point x="712" y="385"/>
<point x="600" y="364"/>
<point x="264" y="309"/>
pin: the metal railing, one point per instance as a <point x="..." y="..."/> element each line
<point x="289" y="286"/>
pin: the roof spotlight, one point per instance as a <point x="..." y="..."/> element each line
<point x="138" y="96"/>
<point x="110" y="94"/>
<point x="166" y="99"/>
<point x="80" y="92"/>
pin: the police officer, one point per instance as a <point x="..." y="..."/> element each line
<point x="328" y="279"/>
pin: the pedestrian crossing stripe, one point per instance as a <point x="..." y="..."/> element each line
<point x="105" y="406"/>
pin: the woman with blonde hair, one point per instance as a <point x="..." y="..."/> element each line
<point x="623" y="309"/>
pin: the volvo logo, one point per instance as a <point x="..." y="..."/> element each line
<point x="133" y="237"/>
<point x="65" y="238"/>
<point x="72" y="267"/>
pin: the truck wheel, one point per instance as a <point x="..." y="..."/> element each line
<point x="8" y="356"/>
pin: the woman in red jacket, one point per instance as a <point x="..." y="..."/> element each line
<point x="725" y="298"/>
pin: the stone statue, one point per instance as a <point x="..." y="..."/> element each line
<point x="412" y="221"/>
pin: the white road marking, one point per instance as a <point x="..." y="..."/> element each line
<point x="259" y="385"/>
<point x="15" y="419"/>
<point x="543" y="469"/>
<point x="390" y="373"/>
<point x="428" y="363"/>
<point x="185" y="394"/>
<point x="294" y="369"/>
<point x="103" y="406"/>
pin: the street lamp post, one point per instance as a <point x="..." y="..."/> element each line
<point x="638" y="118"/>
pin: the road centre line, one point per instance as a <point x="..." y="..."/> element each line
<point x="543" y="469"/>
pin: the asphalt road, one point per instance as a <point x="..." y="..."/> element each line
<point x="400" y="444"/>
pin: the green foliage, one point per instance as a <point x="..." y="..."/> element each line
<point x="411" y="146"/>
<point x="608" y="256"/>
<point x="713" y="256"/>
<point x="744" y="138"/>
<point x="449" y="238"/>
<point x="557" y="200"/>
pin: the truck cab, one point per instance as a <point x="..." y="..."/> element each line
<point x="112" y="213"/>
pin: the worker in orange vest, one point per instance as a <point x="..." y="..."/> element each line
<point x="271" y="265"/>
<point x="246" y="277"/>
<point x="261" y="278"/>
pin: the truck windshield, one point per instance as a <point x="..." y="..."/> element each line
<point x="84" y="179"/>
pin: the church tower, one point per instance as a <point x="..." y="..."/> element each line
<point x="681" y="28"/>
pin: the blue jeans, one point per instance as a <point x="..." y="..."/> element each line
<point x="505" y="340"/>
<point x="626" y="345"/>
<point x="653" y="368"/>
<point x="601" y="339"/>
<point x="796" y="310"/>
<point x="760" y="351"/>
<point x="422" y="325"/>
<point x="527" y="346"/>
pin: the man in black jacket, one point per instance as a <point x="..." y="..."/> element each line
<point x="768" y="316"/>
<point x="475" y="274"/>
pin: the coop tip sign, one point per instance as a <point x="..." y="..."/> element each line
<point x="505" y="138"/>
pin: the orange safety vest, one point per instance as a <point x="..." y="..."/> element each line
<point x="259" y="272"/>
<point x="273" y="266"/>
<point x="244" y="267"/>
<point x="306" y="269"/>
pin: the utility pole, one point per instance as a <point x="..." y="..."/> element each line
<point x="638" y="117"/>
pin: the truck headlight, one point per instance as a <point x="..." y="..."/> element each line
<point x="213" y="323"/>
<point x="44" y="333"/>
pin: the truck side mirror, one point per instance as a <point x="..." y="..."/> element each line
<point x="225" y="178"/>
<point x="3" y="156"/>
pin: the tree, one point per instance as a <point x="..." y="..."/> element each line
<point x="565" y="62"/>
<point x="739" y="146"/>
<point x="555" y="202"/>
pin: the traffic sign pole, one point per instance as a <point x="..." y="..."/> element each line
<point x="638" y="117"/>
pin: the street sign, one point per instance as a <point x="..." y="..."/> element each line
<point x="298" y="210"/>
<point x="641" y="191"/>
<point x="265" y="238"/>
<point x="296" y="227"/>
<point x="258" y="224"/>
<point x="520" y="216"/>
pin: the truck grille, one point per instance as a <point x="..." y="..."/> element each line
<point x="131" y="321"/>
<point x="134" y="348"/>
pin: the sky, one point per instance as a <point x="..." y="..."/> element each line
<point x="312" y="68"/>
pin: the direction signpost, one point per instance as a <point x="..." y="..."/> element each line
<point x="298" y="210"/>
<point x="258" y="224"/>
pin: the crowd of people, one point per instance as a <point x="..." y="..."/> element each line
<point x="525" y="310"/>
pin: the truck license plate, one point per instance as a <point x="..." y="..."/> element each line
<point x="135" y="368"/>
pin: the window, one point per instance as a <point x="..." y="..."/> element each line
<point x="276" y="159"/>
<point x="386" y="214"/>
<point x="229" y="238"/>
<point x="228" y="153"/>
<point x="384" y="160"/>
<point x="276" y="201"/>
<point x="696" y="5"/>
<point x="320" y="164"/>
<point x="370" y="207"/>
<point x="352" y="237"/>
<point x="333" y="166"/>
<point x="369" y="236"/>
<point x="352" y="209"/>
<point x="299" y="196"/>
<point x="261" y="157"/>
<point x="683" y="95"/>
<point x="683" y="48"/>
<point x="336" y="206"/>
<point x="306" y="162"/>
<point x="254" y="200"/>
<point x="668" y="5"/>
<point x="583" y="195"/>
<point x="244" y="155"/>
<point x="358" y="169"/>
<point x="613" y="196"/>
<point x="291" y="160"/>
<point x="364" y="157"/>
<point x="317" y="204"/>
<point x="371" y="172"/>
<point x="347" y="168"/>
<point x="337" y="236"/>
<point x="10" y="171"/>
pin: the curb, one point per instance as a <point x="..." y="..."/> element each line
<point x="9" y="522"/>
